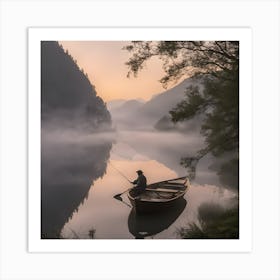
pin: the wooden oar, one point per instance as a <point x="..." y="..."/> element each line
<point x="125" y="203"/>
<point x="118" y="196"/>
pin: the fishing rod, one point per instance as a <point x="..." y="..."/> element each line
<point x="118" y="196"/>
<point x="119" y="172"/>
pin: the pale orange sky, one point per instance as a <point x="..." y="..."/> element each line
<point x="104" y="62"/>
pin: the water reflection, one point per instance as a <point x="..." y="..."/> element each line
<point x="214" y="222"/>
<point x="69" y="167"/>
<point x="112" y="219"/>
<point x="167" y="148"/>
<point x="141" y="226"/>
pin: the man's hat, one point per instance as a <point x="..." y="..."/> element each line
<point x="139" y="171"/>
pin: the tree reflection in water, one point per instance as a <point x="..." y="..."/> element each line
<point x="68" y="171"/>
<point x="214" y="222"/>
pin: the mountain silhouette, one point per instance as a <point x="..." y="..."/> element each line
<point x="66" y="92"/>
<point x="124" y="114"/>
<point x="72" y="155"/>
<point x="155" y="112"/>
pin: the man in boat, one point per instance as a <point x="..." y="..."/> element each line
<point x="140" y="183"/>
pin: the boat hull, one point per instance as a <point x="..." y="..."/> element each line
<point x="159" y="196"/>
<point x="152" y="206"/>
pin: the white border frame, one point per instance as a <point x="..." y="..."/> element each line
<point x="243" y="35"/>
<point x="262" y="16"/>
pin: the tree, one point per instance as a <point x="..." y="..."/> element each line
<point x="216" y="63"/>
<point x="186" y="58"/>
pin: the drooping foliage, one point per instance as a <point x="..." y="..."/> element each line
<point x="219" y="103"/>
<point x="186" y="58"/>
<point x="217" y="63"/>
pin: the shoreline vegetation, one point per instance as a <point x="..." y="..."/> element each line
<point x="217" y="64"/>
<point x="218" y="223"/>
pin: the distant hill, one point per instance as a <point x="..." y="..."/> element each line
<point x="116" y="104"/>
<point x="111" y="105"/>
<point x="130" y="105"/>
<point x="155" y="112"/>
<point x="124" y="114"/>
<point x="162" y="103"/>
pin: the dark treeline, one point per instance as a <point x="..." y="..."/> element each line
<point x="66" y="92"/>
<point x="72" y="154"/>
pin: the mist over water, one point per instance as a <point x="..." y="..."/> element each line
<point x="70" y="164"/>
<point x="85" y="163"/>
<point x="158" y="155"/>
<point x="80" y="178"/>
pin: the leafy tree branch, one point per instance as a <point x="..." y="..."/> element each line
<point x="216" y="64"/>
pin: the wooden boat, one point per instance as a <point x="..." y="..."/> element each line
<point x="160" y="195"/>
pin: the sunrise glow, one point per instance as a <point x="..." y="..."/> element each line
<point x="104" y="63"/>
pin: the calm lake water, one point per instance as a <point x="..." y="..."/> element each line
<point x="79" y="181"/>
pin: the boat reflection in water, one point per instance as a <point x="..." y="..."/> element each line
<point x="145" y="225"/>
